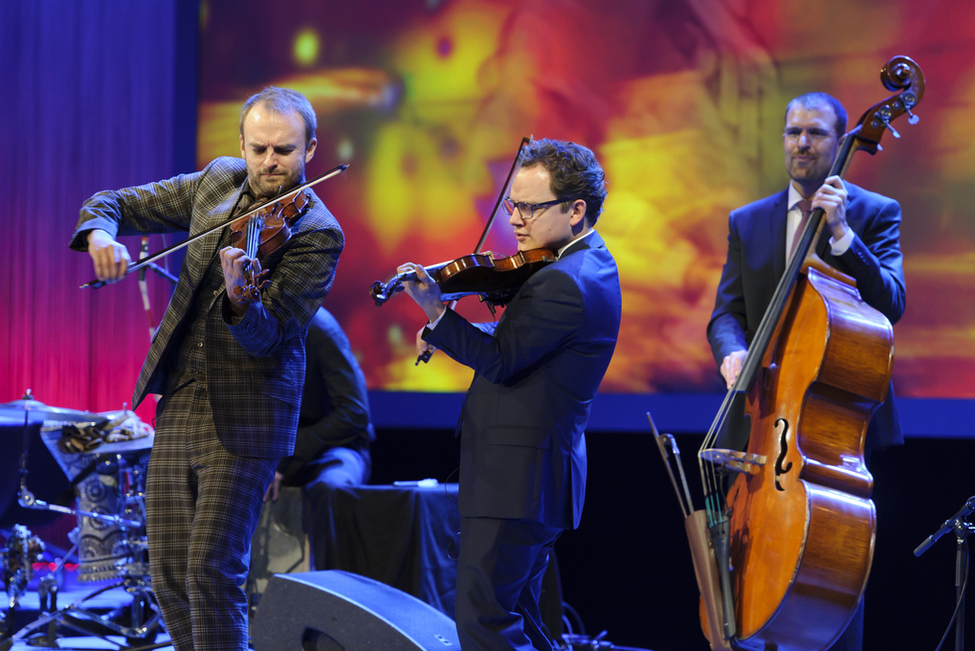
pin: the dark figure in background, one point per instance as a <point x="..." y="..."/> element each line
<point x="523" y="451"/>
<point x="230" y="368"/>
<point x="861" y="239"/>
<point x="334" y="430"/>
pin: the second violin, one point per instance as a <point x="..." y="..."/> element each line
<point x="495" y="279"/>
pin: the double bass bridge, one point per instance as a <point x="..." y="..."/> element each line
<point x="742" y="462"/>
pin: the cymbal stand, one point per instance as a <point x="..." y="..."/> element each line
<point x="962" y="529"/>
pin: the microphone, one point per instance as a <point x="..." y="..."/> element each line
<point x="946" y="527"/>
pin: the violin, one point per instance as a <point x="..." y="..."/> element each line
<point x="495" y="279"/>
<point x="287" y="196"/>
<point x="478" y="273"/>
<point x="261" y="233"/>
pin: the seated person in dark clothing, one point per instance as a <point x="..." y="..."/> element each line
<point x="334" y="429"/>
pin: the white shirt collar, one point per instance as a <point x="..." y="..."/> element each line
<point x="794" y="196"/>
<point x="562" y="250"/>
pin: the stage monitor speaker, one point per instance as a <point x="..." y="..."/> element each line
<point x="334" y="610"/>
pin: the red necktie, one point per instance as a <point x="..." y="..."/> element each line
<point x="806" y="207"/>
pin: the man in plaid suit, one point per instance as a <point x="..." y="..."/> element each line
<point x="230" y="368"/>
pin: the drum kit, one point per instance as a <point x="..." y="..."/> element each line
<point x="104" y="456"/>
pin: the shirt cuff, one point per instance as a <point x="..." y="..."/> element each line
<point x="842" y="245"/>
<point x="433" y="324"/>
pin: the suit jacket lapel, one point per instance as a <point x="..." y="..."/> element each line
<point x="202" y="251"/>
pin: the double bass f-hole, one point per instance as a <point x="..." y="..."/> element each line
<point x="782" y="427"/>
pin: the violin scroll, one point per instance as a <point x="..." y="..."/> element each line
<point x="257" y="282"/>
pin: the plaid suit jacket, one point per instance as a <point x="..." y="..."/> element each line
<point x="255" y="364"/>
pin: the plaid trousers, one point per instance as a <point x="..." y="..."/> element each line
<point x="202" y="507"/>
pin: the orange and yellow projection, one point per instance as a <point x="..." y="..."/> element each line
<point x="682" y="101"/>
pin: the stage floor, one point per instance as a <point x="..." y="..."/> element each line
<point x="114" y="603"/>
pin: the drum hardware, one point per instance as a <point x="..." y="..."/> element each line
<point x="139" y="634"/>
<point x="44" y="506"/>
<point x="23" y="550"/>
<point x="107" y="471"/>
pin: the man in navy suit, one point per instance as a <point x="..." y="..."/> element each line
<point x="861" y="239"/>
<point x="523" y="450"/>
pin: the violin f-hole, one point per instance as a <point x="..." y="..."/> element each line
<point x="782" y="425"/>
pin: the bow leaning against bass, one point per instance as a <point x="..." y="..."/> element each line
<point x="783" y="556"/>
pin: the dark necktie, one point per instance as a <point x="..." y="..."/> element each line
<point x="806" y="207"/>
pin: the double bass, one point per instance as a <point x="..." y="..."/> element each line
<point x="783" y="556"/>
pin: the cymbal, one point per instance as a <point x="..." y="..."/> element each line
<point x="39" y="411"/>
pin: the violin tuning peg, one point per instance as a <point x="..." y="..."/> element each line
<point x="912" y="119"/>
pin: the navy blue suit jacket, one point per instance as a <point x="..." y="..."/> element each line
<point x="523" y="449"/>
<point x="756" y="261"/>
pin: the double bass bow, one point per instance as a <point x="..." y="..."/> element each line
<point x="783" y="557"/>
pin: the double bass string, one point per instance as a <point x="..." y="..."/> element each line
<point x="763" y="335"/>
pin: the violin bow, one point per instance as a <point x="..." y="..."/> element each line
<point x="144" y="262"/>
<point x="426" y="355"/>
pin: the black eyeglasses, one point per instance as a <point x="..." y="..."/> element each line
<point x="525" y="209"/>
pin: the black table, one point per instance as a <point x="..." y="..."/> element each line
<point x="404" y="535"/>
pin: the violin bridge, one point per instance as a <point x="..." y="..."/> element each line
<point x="743" y="462"/>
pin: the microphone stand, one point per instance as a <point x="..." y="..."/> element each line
<point x="962" y="528"/>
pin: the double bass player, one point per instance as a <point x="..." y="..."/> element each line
<point x="861" y="238"/>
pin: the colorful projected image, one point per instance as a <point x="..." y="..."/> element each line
<point x="683" y="103"/>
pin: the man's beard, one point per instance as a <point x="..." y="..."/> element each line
<point x="265" y="187"/>
<point x="807" y="173"/>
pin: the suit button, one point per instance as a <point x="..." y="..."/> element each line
<point x="200" y="344"/>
